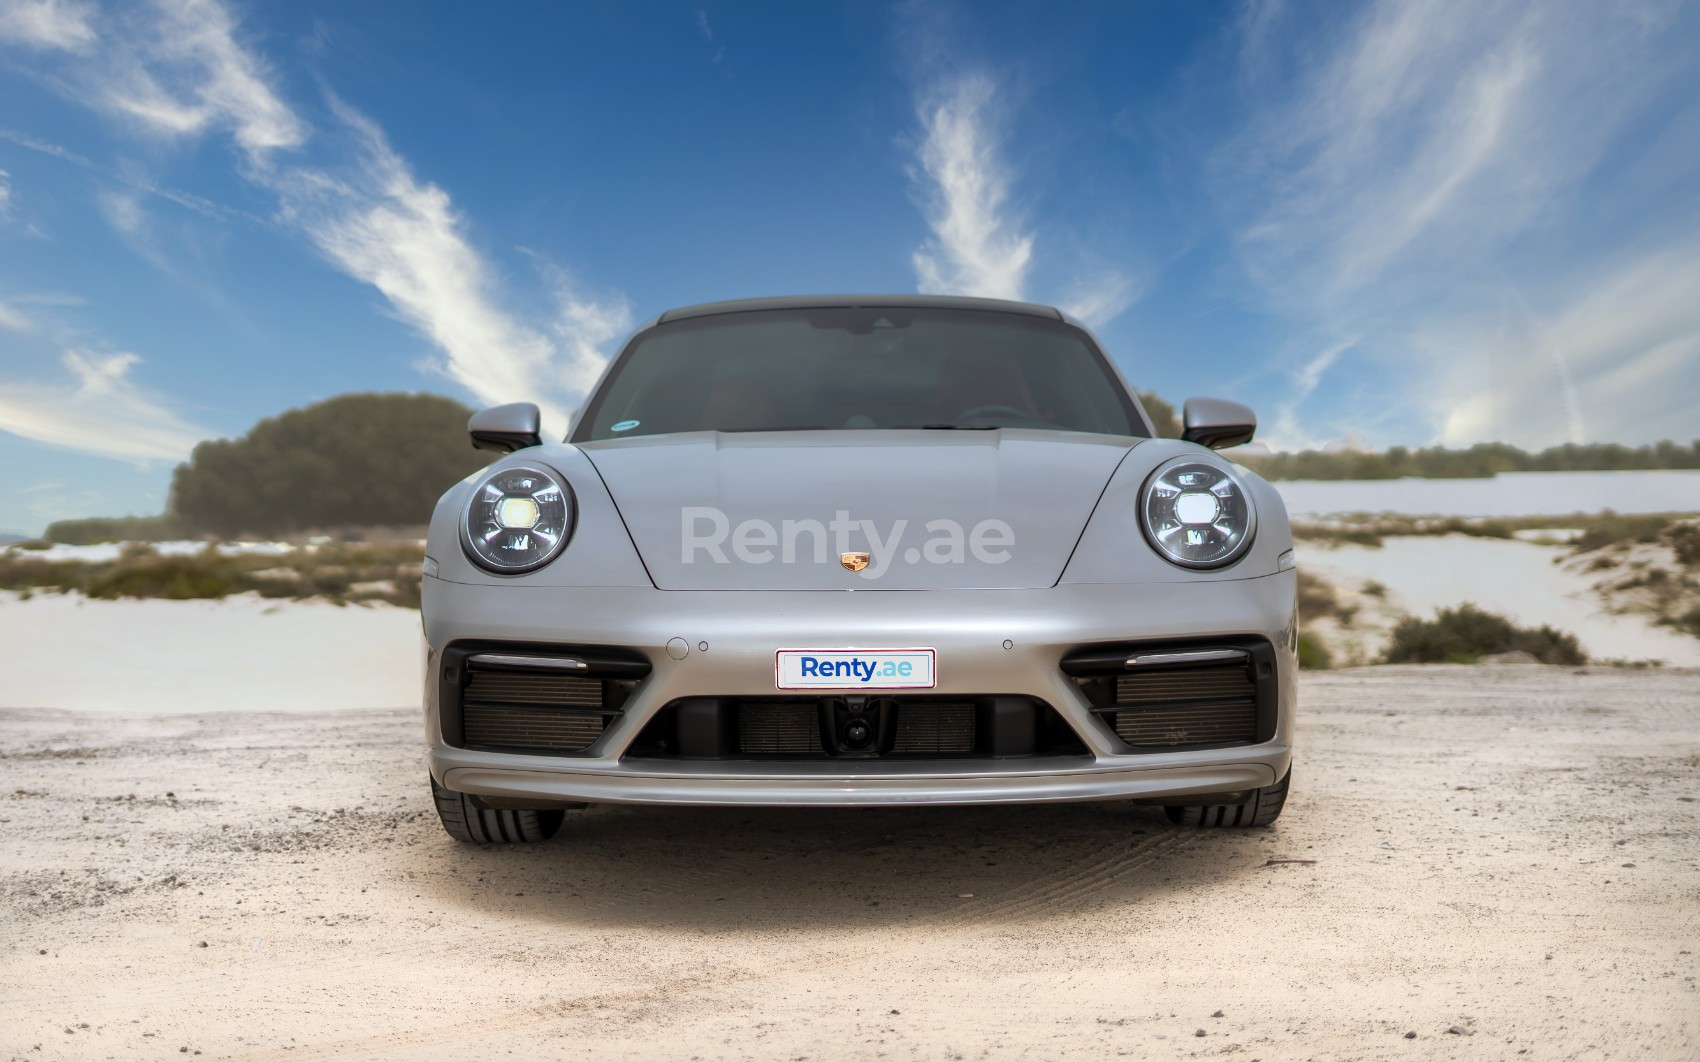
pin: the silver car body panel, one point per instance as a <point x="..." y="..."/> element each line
<point x="1041" y="485"/>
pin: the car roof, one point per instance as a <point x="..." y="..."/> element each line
<point x="812" y="302"/>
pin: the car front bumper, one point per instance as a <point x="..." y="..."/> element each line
<point x="1005" y="642"/>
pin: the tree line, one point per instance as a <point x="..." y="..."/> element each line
<point x="1479" y="461"/>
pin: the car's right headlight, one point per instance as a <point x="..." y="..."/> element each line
<point x="1197" y="513"/>
<point x="518" y="519"/>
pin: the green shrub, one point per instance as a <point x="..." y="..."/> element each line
<point x="1163" y="416"/>
<point x="331" y="571"/>
<point x="1609" y="528"/>
<point x="201" y="575"/>
<point x="1313" y="654"/>
<point x="98" y="529"/>
<point x="1684" y="539"/>
<point x="1339" y="535"/>
<point x="1465" y="634"/>
<point x="1316" y="596"/>
<point x="20" y="573"/>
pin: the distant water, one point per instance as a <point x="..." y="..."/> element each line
<point x="1507" y="494"/>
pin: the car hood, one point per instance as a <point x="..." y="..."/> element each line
<point x="998" y="509"/>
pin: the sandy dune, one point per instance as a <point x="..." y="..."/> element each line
<point x="1510" y="852"/>
<point x="1517" y="579"/>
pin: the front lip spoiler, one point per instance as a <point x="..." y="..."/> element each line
<point x="710" y="784"/>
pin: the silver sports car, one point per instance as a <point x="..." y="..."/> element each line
<point x="862" y="551"/>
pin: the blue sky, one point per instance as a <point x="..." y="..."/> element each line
<point x="1416" y="222"/>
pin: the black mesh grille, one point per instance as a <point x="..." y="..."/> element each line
<point x="532" y="728"/>
<point x="790" y="729"/>
<point x="1191" y="706"/>
<point x="1189" y="725"/>
<point x="1159" y="696"/>
<point x="533" y="688"/>
<point x="1193" y="684"/>
<point x="935" y="729"/>
<point x="905" y="727"/>
<point x="530" y="697"/>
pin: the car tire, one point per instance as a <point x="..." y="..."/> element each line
<point x="1263" y="808"/>
<point x="465" y="821"/>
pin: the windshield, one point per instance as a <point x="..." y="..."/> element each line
<point x="859" y="367"/>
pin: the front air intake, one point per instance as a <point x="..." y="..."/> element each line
<point x="935" y="728"/>
<point x="504" y="706"/>
<point x="901" y="726"/>
<point x="1181" y="696"/>
<point x="548" y="699"/>
<point x="790" y="728"/>
<point x="538" y="689"/>
<point x="529" y="729"/>
<point x="1147" y="689"/>
<point x="1193" y="724"/>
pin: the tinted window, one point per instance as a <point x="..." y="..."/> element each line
<point x="778" y="370"/>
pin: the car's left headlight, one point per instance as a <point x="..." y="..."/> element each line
<point x="518" y="519"/>
<point x="1197" y="513"/>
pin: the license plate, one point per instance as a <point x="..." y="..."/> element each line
<point x="854" y="669"/>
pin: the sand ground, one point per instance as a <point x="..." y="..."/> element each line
<point x="1509" y="852"/>
<point x="241" y="652"/>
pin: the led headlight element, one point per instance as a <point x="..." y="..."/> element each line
<point x="517" y="520"/>
<point x="1196" y="513"/>
<point x="517" y="512"/>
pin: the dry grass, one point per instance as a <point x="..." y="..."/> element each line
<point x="341" y="572"/>
<point x="1646" y="569"/>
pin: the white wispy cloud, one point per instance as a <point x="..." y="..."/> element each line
<point x="1101" y="298"/>
<point x="981" y="242"/>
<point x="377" y="222"/>
<point x="1288" y="430"/>
<point x="1626" y="340"/>
<point x="1428" y="170"/>
<point x="96" y="408"/>
<point x="45" y="147"/>
<point x="61" y="25"/>
<point x="180" y="70"/>
<point x="1424" y="129"/>
<point x="583" y="326"/>
<point x="13" y="320"/>
<point x="978" y="246"/>
<point x="123" y="211"/>
<point x="707" y="32"/>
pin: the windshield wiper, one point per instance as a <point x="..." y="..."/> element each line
<point x="960" y="427"/>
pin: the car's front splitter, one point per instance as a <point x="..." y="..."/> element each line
<point x="713" y="784"/>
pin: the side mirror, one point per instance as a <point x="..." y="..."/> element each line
<point x="505" y="429"/>
<point x="1216" y="422"/>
